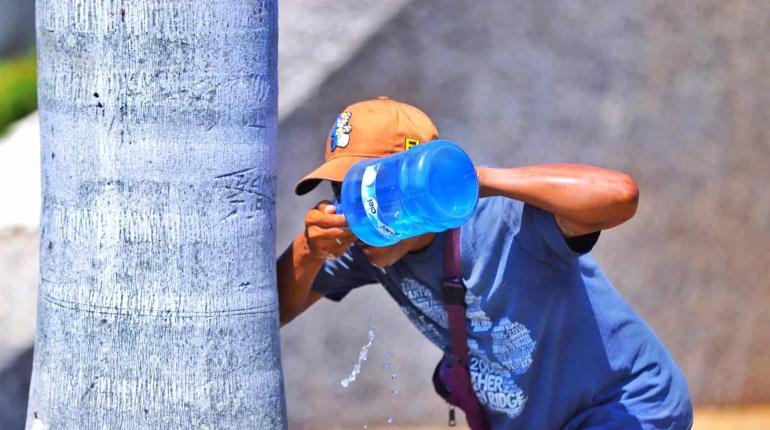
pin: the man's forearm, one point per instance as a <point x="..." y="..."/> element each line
<point x="296" y="270"/>
<point x="591" y="197"/>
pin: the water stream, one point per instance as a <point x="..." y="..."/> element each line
<point x="364" y="352"/>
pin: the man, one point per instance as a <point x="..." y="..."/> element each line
<point x="552" y="344"/>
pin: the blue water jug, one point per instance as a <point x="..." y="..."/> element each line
<point x="429" y="188"/>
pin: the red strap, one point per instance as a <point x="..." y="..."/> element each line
<point x="453" y="267"/>
<point x="454" y="297"/>
<point x="453" y="289"/>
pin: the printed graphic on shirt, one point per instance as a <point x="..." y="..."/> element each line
<point x="495" y="387"/>
<point x="499" y="351"/>
<point x="473" y="346"/>
<point x="512" y="345"/>
<point x="425" y="300"/>
<point x="475" y="350"/>
<point x="426" y="327"/>
<point x="479" y="320"/>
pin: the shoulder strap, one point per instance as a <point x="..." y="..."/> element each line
<point x="452" y="265"/>
<point x="454" y="296"/>
<point x="453" y="289"/>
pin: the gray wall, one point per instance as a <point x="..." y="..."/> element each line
<point x="17" y="26"/>
<point x="675" y="93"/>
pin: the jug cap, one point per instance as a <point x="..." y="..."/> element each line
<point x="365" y="130"/>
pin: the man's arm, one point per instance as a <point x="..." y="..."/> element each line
<point x="296" y="270"/>
<point x="326" y="236"/>
<point x="583" y="199"/>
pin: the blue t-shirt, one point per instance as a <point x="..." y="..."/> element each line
<point x="552" y="343"/>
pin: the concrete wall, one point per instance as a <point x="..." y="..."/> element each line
<point x="675" y="93"/>
<point x="17" y="26"/>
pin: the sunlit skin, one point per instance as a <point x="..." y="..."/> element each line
<point x="583" y="199"/>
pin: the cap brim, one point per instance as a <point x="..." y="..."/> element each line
<point x="333" y="170"/>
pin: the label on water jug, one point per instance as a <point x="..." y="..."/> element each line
<point x="369" y="199"/>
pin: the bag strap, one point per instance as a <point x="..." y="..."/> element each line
<point x="454" y="297"/>
<point x="453" y="289"/>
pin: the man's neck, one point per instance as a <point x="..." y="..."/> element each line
<point x="422" y="243"/>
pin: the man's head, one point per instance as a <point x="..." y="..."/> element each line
<point x="369" y="129"/>
<point x="384" y="256"/>
<point x="365" y="130"/>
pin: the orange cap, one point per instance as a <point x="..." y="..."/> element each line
<point x="369" y="129"/>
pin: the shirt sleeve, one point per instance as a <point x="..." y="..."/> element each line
<point x="541" y="236"/>
<point x="337" y="277"/>
<point x="584" y="243"/>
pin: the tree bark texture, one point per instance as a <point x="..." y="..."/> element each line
<point x="157" y="305"/>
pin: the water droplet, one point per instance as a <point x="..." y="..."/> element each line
<point x="393" y="376"/>
<point x="390" y="420"/>
<point x="362" y="355"/>
<point x="386" y="365"/>
<point x="394" y="392"/>
<point x="389" y="354"/>
<point x="366" y="426"/>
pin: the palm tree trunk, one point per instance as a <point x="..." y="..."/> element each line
<point x="157" y="305"/>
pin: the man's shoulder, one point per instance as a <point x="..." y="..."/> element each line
<point x="494" y="214"/>
<point x="496" y="219"/>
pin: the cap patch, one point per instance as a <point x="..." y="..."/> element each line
<point x="410" y="143"/>
<point x="340" y="132"/>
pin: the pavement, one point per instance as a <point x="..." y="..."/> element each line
<point x="755" y="417"/>
<point x="20" y="175"/>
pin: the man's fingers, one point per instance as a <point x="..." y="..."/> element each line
<point x="326" y="206"/>
<point x="321" y="204"/>
<point x="341" y="233"/>
<point x="345" y="231"/>
<point x="328" y="233"/>
<point x="325" y="220"/>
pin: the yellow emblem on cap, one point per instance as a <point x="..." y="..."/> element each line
<point x="410" y="143"/>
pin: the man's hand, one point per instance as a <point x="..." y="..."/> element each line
<point x="327" y="234"/>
